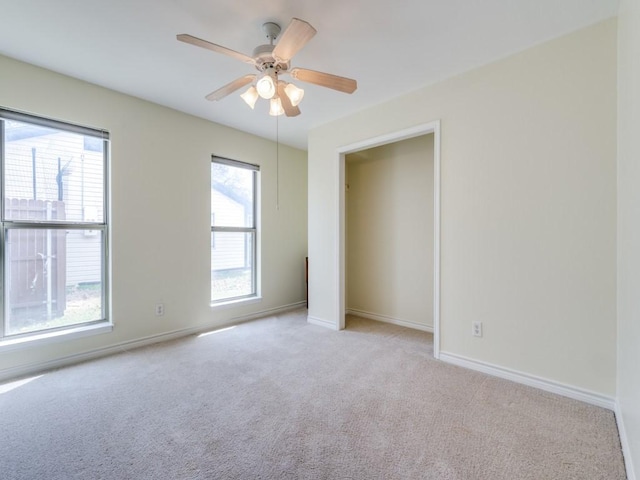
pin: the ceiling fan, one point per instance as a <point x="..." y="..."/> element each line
<point x="272" y="61"/>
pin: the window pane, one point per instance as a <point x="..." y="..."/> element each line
<point x="53" y="278"/>
<point x="231" y="265"/>
<point x="231" y="196"/>
<point x="52" y="175"/>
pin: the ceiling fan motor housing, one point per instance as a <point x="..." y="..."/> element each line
<point x="263" y="56"/>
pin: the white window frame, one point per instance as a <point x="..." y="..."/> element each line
<point x="76" y="330"/>
<point x="253" y="230"/>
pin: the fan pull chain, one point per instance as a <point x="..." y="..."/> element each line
<point x="277" y="166"/>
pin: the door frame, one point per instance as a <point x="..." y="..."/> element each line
<point x="416" y="131"/>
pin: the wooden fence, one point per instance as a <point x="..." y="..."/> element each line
<point x="37" y="273"/>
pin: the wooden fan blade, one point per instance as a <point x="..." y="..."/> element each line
<point x="342" y="84"/>
<point x="231" y="87"/>
<point x="295" y="36"/>
<point x="289" y="110"/>
<point x="198" y="42"/>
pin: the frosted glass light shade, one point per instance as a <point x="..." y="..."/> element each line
<point x="250" y="96"/>
<point x="266" y="87"/>
<point x="275" y="108"/>
<point x="294" y="93"/>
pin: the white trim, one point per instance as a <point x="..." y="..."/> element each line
<point x="392" y="137"/>
<point x="387" y="319"/>
<point x="411" y="132"/>
<point x="570" y="391"/>
<point x="322" y="322"/>
<point x="624" y="442"/>
<point x="235" y="303"/>
<point x="46" y="338"/>
<point x="267" y="312"/>
<point x="436" y="239"/>
<point x="23" y="370"/>
<point x="341" y="243"/>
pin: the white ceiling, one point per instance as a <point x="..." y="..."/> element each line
<point x="389" y="47"/>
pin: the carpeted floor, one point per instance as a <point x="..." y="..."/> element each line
<point x="279" y="398"/>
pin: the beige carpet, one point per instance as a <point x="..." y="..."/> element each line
<point x="279" y="398"/>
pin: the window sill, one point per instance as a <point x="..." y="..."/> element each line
<point x="37" y="340"/>
<point x="235" y="303"/>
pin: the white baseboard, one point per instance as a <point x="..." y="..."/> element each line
<point x="531" y="380"/>
<point x="31" y="369"/>
<point x="624" y="442"/>
<point x="386" y="319"/>
<point x="267" y="312"/>
<point x="322" y="322"/>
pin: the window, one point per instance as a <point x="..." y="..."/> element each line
<point x="233" y="230"/>
<point x="53" y="233"/>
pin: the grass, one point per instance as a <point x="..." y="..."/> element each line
<point x="230" y="283"/>
<point x="83" y="304"/>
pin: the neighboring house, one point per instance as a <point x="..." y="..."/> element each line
<point x="229" y="209"/>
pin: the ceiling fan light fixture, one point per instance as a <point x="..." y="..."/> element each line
<point x="250" y="96"/>
<point x="266" y="86"/>
<point x="275" y="108"/>
<point x="294" y="93"/>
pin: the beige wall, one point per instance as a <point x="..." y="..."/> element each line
<point x="389" y="232"/>
<point x="629" y="227"/>
<point x="160" y="196"/>
<point x="528" y="245"/>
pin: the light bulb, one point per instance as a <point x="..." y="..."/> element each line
<point x="294" y="93"/>
<point x="276" y="107"/>
<point x="266" y="88"/>
<point x="250" y="96"/>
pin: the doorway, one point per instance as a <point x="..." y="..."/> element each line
<point x="362" y="150"/>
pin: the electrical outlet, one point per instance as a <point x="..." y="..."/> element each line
<point x="476" y="329"/>
<point x="159" y="309"/>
